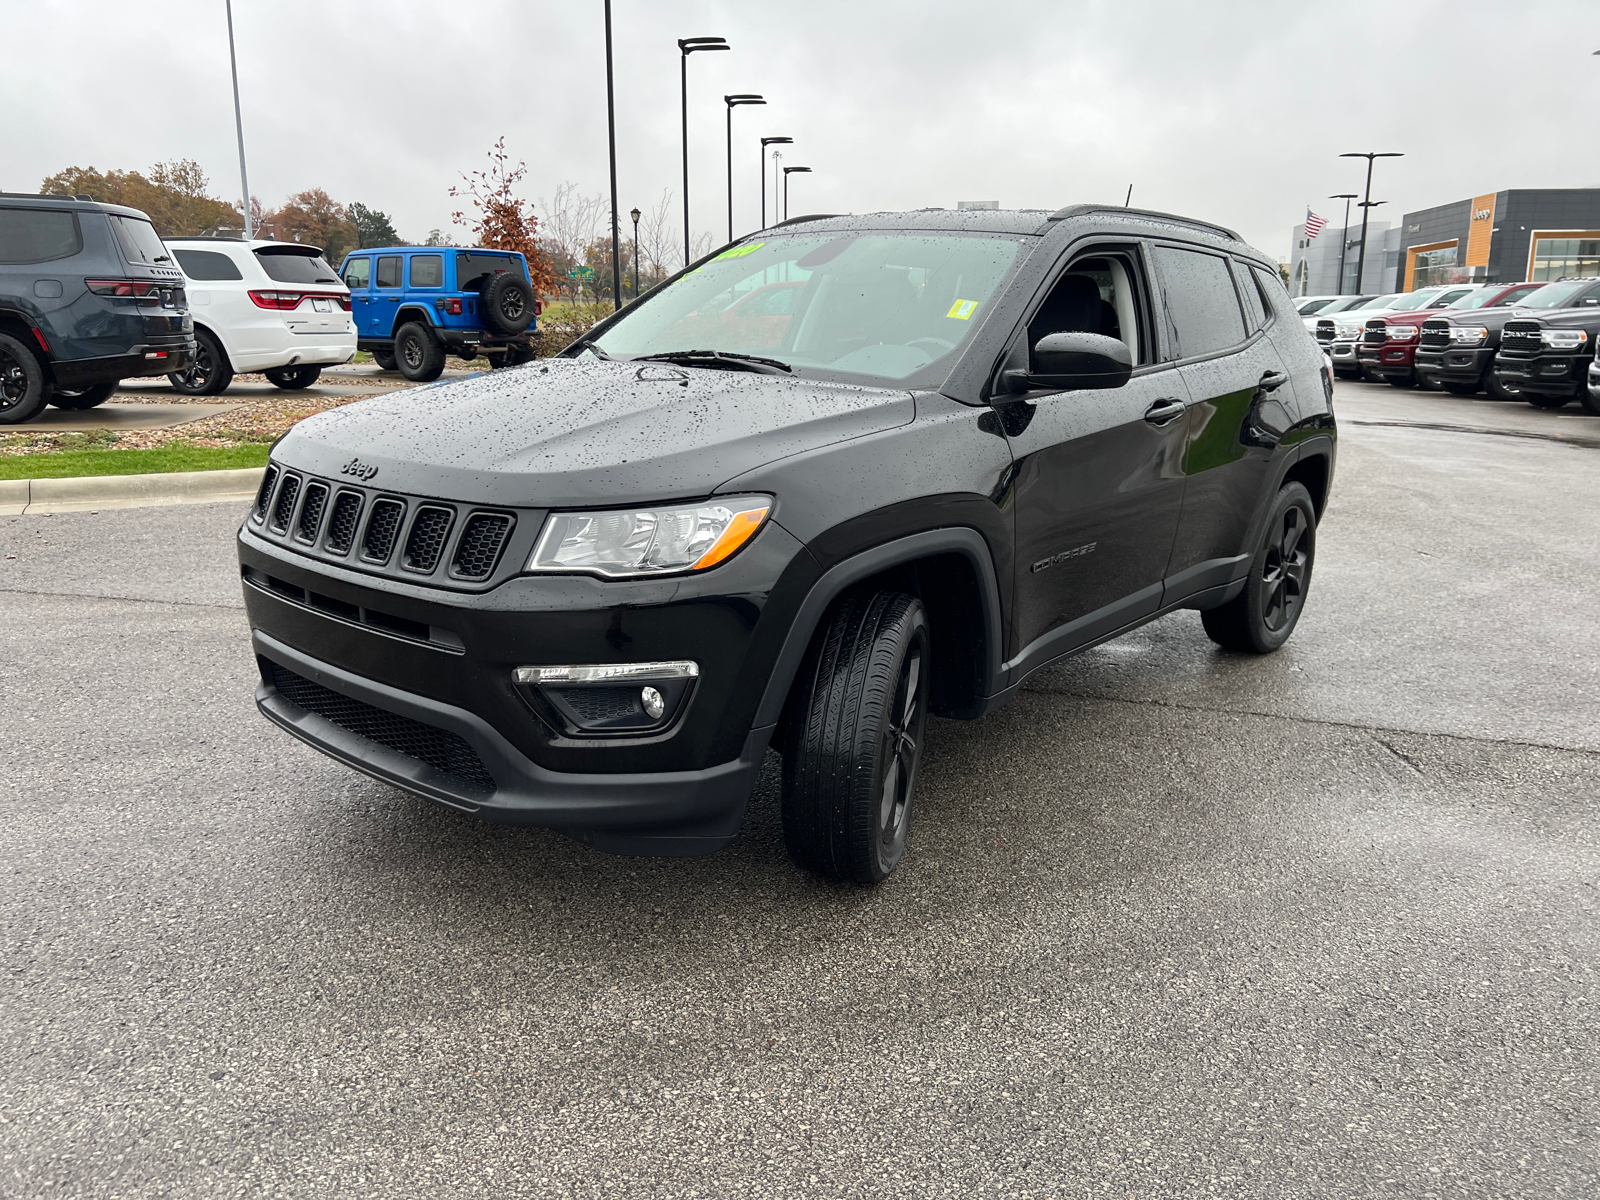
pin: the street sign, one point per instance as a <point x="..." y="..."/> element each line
<point x="580" y="273"/>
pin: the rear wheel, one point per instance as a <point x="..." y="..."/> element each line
<point x="24" y="390"/>
<point x="1260" y="619"/>
<point x="384" y="359"/>
<point x="418" y="353"/>
<point x="292" y="378"/>
<point x="210" y="373"/>
<point x="1545" y="401"/>
<point x="84" y="398"/>
<point x="854" y="739"/>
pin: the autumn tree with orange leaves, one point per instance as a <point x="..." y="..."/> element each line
<point x="500" y="218"/>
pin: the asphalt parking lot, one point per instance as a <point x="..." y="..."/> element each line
<point x="1178" y="923"/>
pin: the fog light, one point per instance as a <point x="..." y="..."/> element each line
<point x="609" y="698"/>
<point x="654" y="705"/>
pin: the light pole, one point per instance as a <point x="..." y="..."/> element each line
<point x="635" y="215"/>
<point x="1344" y="238"/>
<point x="238" y="124"/>
<point x="733" y="102"/>
<point x="788" y="171"/>
<point x="1366" y="203"/>
<point x="765" y="142"/>
<point x="611" y="135"/>
<point x="686" y="47"/>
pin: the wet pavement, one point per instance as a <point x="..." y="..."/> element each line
<point x="1177" y="923"/>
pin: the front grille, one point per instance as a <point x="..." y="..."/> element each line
<point x="1377" y="332"/>
<point x="310" y="522"/>
<point x="1324" y="331"/>
<point x="601" y="703"/>
<point x="382" y="529"/>
<point x="342" y="525"/>
<point x="1435" y="334"/>
<point x="1520" y="337"/>
<point x="426" y="540"/>
<point x="264" y="497"/>
<point x="284" y="508"/>
<point x="480" y="545"/>
<point x="445" y="752"/>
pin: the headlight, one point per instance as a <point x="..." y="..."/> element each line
<point x="1468" y="335"/>
<point x="648" y="541"/>
<point x="1402" y="333"/>
<point x="1563" y="339"/>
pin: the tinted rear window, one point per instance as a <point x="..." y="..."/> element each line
<point x="139" y="241"/>
<point x="471" y="268"/>
<point x="1201" y="302"/>
<point x="295" y="266"/>
<point x="207" y="265"/>
<point x="30" y="235"/>
<point x="389" y="272"/>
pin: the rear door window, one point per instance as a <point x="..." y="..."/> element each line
<point x="389" y="271"/>
<point x="32" y="235"/>
<point x="295" y="266"/>
<point x="207" y="265"/>
<point x="1202" y="306"/>
<point x="357" y="273"/>
<point x="427" y="271"/>
<point x="139" y="241"/>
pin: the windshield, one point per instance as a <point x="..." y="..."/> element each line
<point x="1378" y="302"/>
<point x="1346" y="304"/>
<point x="1310" y="306"/>
<point x="1415" y="300"/>
<point x="881" y="305"/>
<point x="1554" y="295"/>
<point x="1476" y="299"/>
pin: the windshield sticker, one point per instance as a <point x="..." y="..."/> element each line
<point x="962" y="310"/>
<point x="739" y="251"/>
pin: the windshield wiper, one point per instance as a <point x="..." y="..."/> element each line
<point x="719" y="358"/>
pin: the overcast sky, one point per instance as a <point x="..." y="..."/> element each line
<point x="1235" y="112"/>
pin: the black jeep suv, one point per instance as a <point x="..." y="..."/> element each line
<point x="841" y="474"/>
<point x="88" y="296"/>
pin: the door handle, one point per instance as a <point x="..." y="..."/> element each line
<point x="1272" y="380"/>
<point x="1164" y="412"/>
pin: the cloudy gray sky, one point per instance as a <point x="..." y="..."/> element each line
<point x="1235" y="112"/>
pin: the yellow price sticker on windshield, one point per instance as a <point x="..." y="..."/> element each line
<point x="962" y="310"/>
<point x="739" y="251"/>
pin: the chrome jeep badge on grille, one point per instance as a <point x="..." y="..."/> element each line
<point x="362" y="471"/>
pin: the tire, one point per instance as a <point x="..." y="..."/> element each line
<point x="384" y="359"/>
<point x="1429" y="383"/>
<point x="507" y="303"/>
<point x="417" y="353"/>
<point x="24" y="390"/>
<point x="1547" y="402"/>
<point x="84" y="398"/>
<point x="1399" y="381"/>
<point x="854" y="739"/>
<point x="211" y="373"/>
<point x="1260" y="619"/>
<point x="1499" y="389"/>
<point x="292" y="379"/>
<point x="1461" y="389"/>
<point x="1590" y="402"/>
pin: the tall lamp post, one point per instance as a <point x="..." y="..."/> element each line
<point x="765" y="142"/>
<point x="788" y="171"/>
<point x="1366" y="203"/>
<point x="635" y="215"/>
<point x="686" y="47"/>
<point x="733" y="102"/>
<point x="611" y="135"/>
<point x="1344" y="238"/>
<point x="238" y="125"/>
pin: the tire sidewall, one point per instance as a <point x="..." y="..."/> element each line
<point x="36" y="386"/>
<point x="1291" y="495"/>
<point x="894" y="645"/>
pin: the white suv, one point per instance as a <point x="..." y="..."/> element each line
<point x="272" y="307"/>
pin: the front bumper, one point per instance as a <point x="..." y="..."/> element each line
<point x="1345" y="359"/>
<point x="1387" y="358"/>
<point x="1455" y="366"/>
<point x="1544" y="374"/>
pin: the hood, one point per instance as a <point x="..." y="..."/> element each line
<point x="585" y="432"/>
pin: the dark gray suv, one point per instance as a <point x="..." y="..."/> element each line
<point x="88" y="296"/>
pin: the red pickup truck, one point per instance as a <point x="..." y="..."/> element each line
<point x="1389" y="344"/>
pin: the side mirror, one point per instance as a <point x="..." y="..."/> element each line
<point x="1073" y="361"/>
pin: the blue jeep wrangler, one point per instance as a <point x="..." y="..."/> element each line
<point x="412" y="304"/>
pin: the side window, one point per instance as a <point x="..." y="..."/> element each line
<point x="427" y="270"/>
<point x="1100" y="294"/>
<point x="358" y="273"/>
<point x="1273" y="293"/>
<point x="1589" y="299"/>
<point x="1514" y="297"/>
<point x="206" y="265"/>
<point x="389" y="271"/>
<point x="31" y="235"/>
<point x="1201" y="304"/>
<point x="1255" y="311"/>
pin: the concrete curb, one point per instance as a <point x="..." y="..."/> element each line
<point x="19" y="497"/>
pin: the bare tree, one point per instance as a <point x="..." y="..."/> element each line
<point x="659" y="255"/>
<point x="571" y="223"/>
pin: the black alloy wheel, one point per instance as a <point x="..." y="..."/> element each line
<point x="384" y="359"/>
<point x="854" y="738"/>
<point x="84" y="398"/>
<point x="24" y="390"/>
<point x="209" y="375"/>
<point x="292" y="379"/>
<point x="1261" y="617"/>
<point x="418" y="353"/>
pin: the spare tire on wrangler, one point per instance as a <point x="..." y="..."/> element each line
<point x="507" y="303"/>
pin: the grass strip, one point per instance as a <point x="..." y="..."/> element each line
<point x="63" y="464"/>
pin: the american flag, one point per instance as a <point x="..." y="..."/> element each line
<point x="1314" y="224"/>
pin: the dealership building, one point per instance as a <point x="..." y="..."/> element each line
<point x="1500" y="237"/>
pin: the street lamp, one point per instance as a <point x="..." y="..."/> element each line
<point x="611" y="135"/>
<point x="238" y="124"/>
<point x="765" y="142"/>
<point x="733" y="102"/>
<point x="1366" y="203"/>
<point x="788" y="171"/>
<point x="686" y="47"/>
<point x="1344" y="238"/>
<point x="635" y="215"/>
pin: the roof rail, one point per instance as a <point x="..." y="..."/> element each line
<point x="38" y="196"/>
<point x="1078" y="210"/>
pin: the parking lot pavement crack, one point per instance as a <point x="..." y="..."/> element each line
<point x="1564" y="439"/>
<point x="1373" y="730"/>
<point x="124" y="599"/>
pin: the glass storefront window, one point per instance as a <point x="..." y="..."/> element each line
<point x="1566" y="258"/>
<point x="1435" y="267"/>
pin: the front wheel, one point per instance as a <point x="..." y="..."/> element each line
<point x="292" y="379"/>
<point x="854" y="739"/>
<point x="1400" y="381"/>
<point x="1499" y="389"/>
<point x="1590" y="402"/>
<point x="84" y="398"/>
<point x="1550" y="402"/>
<point x="1260" y="619"/>
<point x="1461" y="389"/>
